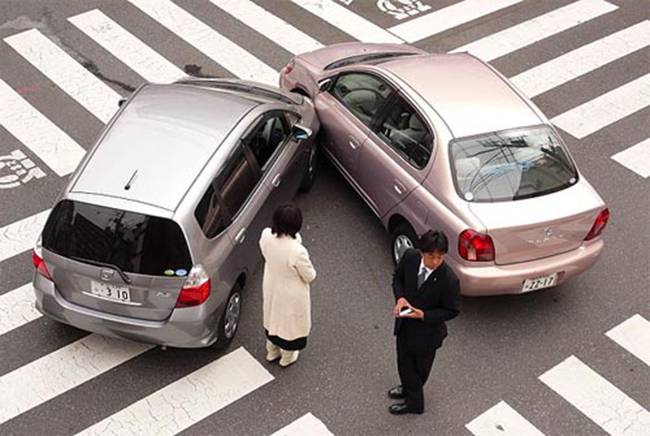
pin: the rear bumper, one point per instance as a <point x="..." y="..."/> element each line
<point x="509" y="279"/>
<point x="191" y="327"/>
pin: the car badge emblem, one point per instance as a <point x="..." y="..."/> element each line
<point x="548" y="231"/>
<point x="107" y="274"/>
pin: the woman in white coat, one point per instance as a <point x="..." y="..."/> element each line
<point x="287" y="275"/>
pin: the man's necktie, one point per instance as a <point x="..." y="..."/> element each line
<point x="422" y="276"/>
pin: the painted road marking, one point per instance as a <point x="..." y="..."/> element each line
<point x="269" y="25"/>
<point x="502" y="420"/>
<point x="205" y="39"/>
<point x="306" y="425"/>
<point x="62" y="370"/>
<point x="189" y="400"/>
<point x="66" y="73"/>
<point x="17" y="308"/>
<point x="22" y="235"/>
<point x="634" y="334"/>
<point x="636" y="158"/>
<point x="534" y="30"/>
<point x="597" y="398"/>
<point x="126" y="47"/>
<point x="606" y="109"/>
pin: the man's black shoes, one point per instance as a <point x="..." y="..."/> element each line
<point x="396" y="393"/>
<point x="402" y="409"/>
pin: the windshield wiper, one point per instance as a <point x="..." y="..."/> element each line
<point x="121" y="273"/>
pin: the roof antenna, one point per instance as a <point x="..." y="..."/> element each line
<point x="131" y="180"/>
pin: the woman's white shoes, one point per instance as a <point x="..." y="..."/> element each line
<point x="288" y="357"/>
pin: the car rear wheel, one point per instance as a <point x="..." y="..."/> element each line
<point x="229" y="320"/>
<point x="312" y="166"/>
<point x="403" y="238"/>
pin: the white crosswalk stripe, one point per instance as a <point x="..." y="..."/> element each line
<point x="66" y="73"/>
<point x="597" y="398"/>
<point x="269" y="25"/>
<point x="305" y="425"/>
<point x="56" y="373"/>
<point x="18" y="237"/>
<point x="580" y="61"/>
<point x="606" y="109"/>
<point x="636" y="158"/>
<point x="207" y="40"/>
<point x="187" y="401"/>
<point x="447" y="18"/>
<point x="502" y="420"/>
<point x="53" y="146"/>
<point x="539" y="28"/>
<point x="127" y="48"/>
<point x="347" y="21"/>
<point x="17" y="308"/>
<point x="634" y="336"/>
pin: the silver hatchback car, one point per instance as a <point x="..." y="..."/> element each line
<point x="155" y="235"/>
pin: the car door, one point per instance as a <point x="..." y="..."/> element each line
<point x="347" y="111"/>
<point x="395" y="155"/>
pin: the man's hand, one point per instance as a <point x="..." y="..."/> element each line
<point x="401" y="304"/>
<point x="416" y="314"/>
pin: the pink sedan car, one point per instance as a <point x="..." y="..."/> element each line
<point x="444" y="141"/>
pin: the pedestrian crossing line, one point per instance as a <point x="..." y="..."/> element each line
<point x="529" y="32"/>
<point x="66" y="73"/>
<point x="54" y="147"/>
<point x="597" y="398"/>
<point x="447" y="18"/>
<point x="606" y="109"/>
<point x="272" y="27"/>
<point x="126" y="47"/>
<point x="306" y="425"/>
<point x="195" y="32"/>
<point x="502" y="420"/>
<point x="634" y="334"/>
<point x="20" y="236"/>
<point x="189" y="400"/>
<point x="582" y="60"/>
<point x="17" y="308"/>
<point x="347" y="21"/>
<point x="62" y="370"/>
<point x="636" y="158"/>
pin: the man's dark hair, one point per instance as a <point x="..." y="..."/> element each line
<point x="434" y="241"/>
<point x="287" y="220"/>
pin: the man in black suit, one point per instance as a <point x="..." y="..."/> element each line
<point x="427" y="295"/>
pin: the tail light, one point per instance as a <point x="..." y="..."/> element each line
<point x="196" y="288"/>
<point x="599" y="225"/>
<point x="39" y="263"/>
<point x="289" y="68"/>
<point x="475" y="246"/>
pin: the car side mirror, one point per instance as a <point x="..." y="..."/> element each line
<point x="121" y="102"/>
<point x="301" y="132"/>
<point x="324" y="85"/>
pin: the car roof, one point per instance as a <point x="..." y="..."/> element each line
<point x="469" y="96"/>
<point x="160" y="143"/>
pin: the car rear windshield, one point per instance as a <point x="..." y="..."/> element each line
<point x="511" y="165"/>
<point x="133" y="242"/>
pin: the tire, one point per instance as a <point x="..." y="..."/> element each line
<point x="229" y="321"/>
<point x="402" y="237"/>
<point x="312" y="168"/>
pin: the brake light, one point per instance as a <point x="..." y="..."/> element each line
<point x="599" y="225"/>
<point x="289" y="67"/>
<point x="39" y="263"/>
<point x="196" y="288"/>
<point x="475" y="246"/>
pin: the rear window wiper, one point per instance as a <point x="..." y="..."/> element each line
<point x="124" y="277"/>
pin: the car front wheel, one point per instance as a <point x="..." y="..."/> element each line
<point x="310" y="173"/>
<point x="403" y="238"/>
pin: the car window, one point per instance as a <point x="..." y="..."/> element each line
<point x="134" y="242"/>
<point x="405" y="131"/>
<point x="266" y="139"/>
<point x="363" y="94"/>
<point x="511" y="165"/>
<point x="210" y="214"/>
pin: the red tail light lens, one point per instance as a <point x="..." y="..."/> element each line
<point x="39" y="264"/>
<point x="599" y="225"/>
<point x="289" y="67"/>
<point x="475" y="246"/>
<point x="196" y="289"/>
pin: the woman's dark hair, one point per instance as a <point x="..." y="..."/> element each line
<point x="287" y="220"/>
<point x="434" y="241"/>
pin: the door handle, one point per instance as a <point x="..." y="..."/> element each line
<point x="398" y="188"/>
<point x="276" y="180"/>
<point x="353" y="143"/>
<point x="241" y="235"/>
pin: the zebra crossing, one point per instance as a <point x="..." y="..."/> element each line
<point x="57" y="151"/>
<point x="586" y="390"/>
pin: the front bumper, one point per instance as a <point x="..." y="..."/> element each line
<point x="190" y="327"/>
<point x="508" y="279"/>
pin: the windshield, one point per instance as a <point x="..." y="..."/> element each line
<point x="511" y="165"/>
<point x="133" y="242"/>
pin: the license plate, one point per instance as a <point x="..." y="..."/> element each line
<point x="539" y="283"/>
<point x="108" y="291"/>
